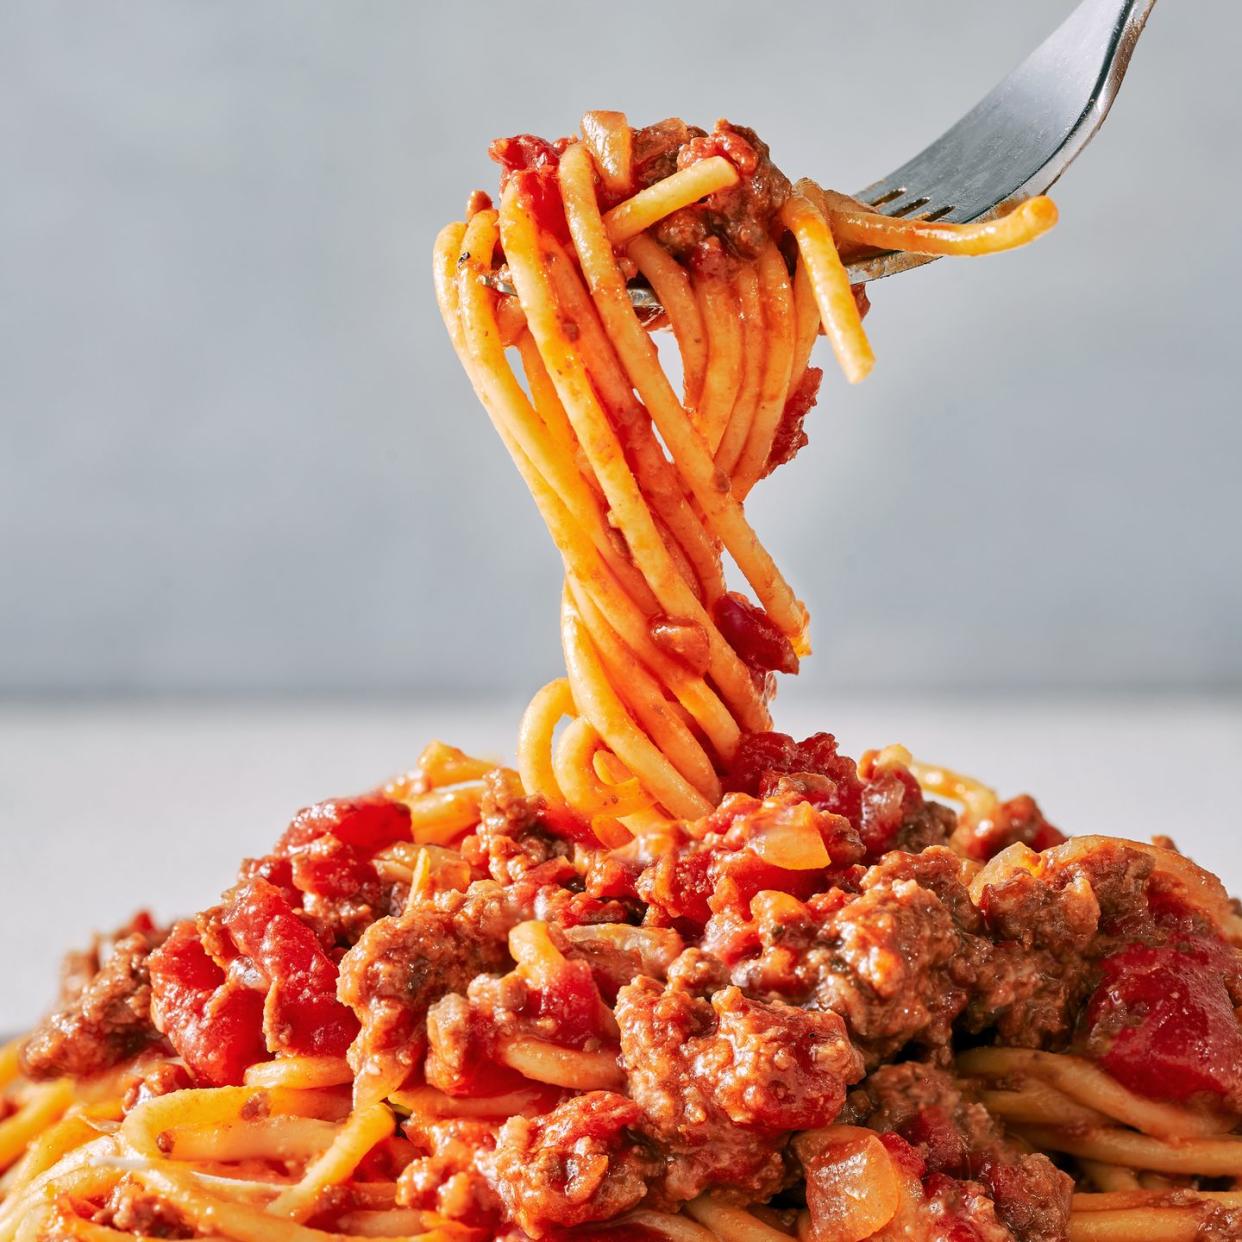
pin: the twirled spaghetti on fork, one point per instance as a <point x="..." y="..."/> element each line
<point x="677" y="975"/>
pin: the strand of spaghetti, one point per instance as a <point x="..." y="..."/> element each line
<point x="645" y="698"/>
<point x="1085" y="1082"/>
<point x="204" y="1107"/>
<point x="1109" y="1177"/>
<point x="364" y="1129"/>
<point x="522" y="429"/>
<point x="573" y="1068"/>
<point x="637" y="214"/>
<point x="50" y="1147"/>
<point x="690" y="452"/>
<point x="275" y="1138"/>
<point x="853" y="223"/>
<point x="1037" y="1102"/>
<point x="44" y="1105"/>
<point x="598" y="702"/>
<point x="754" y="363"/>
<point x="251" y="1190"/>
<point x="75" y="1185"/>
<point x="693" y="694"/>
<point x="1108" y="1202"/>
<point x="63" y="1223"/>
<point x="573" y="763"/>
<point x="10" y="1061"/>
<point x="657" y="479"/>
<point x="633" y="627"/>
<point x="387" y="1223"/>
<point x="1167" y="1224"/>
<point x="837" y="309"/>
<point x="672" y="286"/>
<point x="300" y="1072"/>
<point x="1219" y="1157"/>
<point x="563" y="444"/>
<point x="718" y="308"/>
<point x="424" y="1102"/>
<point x="610" y="140"/>
<point x="240" y="1221"/>
<point x="603" y="450"/>
<point x="597" y="438"/>
<point x="438" y="817"/>
<point x="731" y="1223"/>
<point x="440" y="764"/>
<point x="979" y="800"/>
<point x="85" y="1162"/>
<point x="472" y="327"/>
<point x="807" y="323"/>
<point x="617" y="596"/>
<point x="552" y="703"/>
<point x="778" y="310"/>
<point x="677" y="1228"/>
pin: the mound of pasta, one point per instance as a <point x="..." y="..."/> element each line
<point x="676" y="975"/>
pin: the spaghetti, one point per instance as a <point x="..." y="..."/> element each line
<point x="676" y="976"/>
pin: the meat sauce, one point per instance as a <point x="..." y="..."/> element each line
<point x="806" y="933"/>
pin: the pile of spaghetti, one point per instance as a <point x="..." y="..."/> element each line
<point x="677" y="976"/>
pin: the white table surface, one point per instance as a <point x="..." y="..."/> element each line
<point x="108" y="807"/>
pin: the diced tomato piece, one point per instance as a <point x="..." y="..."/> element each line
<point x="1018" y="820"/>
<point x="753" y="634"/>
<point x="275" y="870"/>
<point x="534" y="163"/>
<point x="302" y="1014"/>
<point x="330" y="868"/>
<point x="526" y="152"/>
<point x="571" y="1002"/>
<point x="214" y="1023"/>
<point x="1176" y="1030"/>
<point x="370" y="822"/>
<point x="762" y="759"/>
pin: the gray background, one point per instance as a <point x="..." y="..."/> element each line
<point x="237" y="453"/>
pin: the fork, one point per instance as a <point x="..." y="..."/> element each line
<point x="1014" y="143"/>
<point x="1020" y="137"/>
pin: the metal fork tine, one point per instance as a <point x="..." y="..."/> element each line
<point x="1023" y="134"/>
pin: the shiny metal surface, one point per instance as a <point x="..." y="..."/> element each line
<point x="1014" y="143"/>
<point x="1018" y="139"/>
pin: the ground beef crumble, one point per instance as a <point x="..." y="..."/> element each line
<point x="584" y="1161"/>
<point x="730" y="224"/>
<point x="104" y="1017"/>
